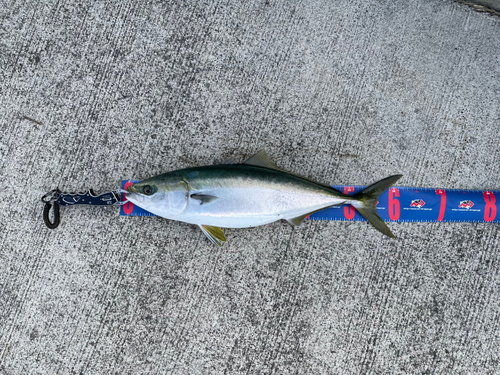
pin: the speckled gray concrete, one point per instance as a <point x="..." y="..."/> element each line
<point x="345" y="92"/>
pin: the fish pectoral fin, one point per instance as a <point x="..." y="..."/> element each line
<point x="204" y="199"/>
<point x="214" y="234"/>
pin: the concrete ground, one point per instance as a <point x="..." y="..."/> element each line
<point x="344" y="92"/>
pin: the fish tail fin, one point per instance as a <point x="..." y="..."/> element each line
<point x="366" y="203"/>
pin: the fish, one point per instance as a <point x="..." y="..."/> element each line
<point x="249" y="194"/>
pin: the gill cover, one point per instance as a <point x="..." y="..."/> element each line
<point x="176" y="197"/>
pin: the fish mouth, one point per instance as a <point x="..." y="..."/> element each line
<point x="132" y="195"/>
<point x="129" y="194"/>
<point x="129" y="197"/>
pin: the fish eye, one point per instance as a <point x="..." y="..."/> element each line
<point x="148" y="190"/>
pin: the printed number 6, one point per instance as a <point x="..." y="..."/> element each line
<point x="349" y="210"/>
<point x="394" y="209"/>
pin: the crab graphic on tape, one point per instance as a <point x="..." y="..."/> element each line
<point x="417" y="203"/>
<point x="466" y="204"/>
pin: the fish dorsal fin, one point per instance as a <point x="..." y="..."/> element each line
<point x="261" y="159"/>
<point x="230" y="161"/>
<point x="204" y="199"/>
<point x="214" y="234"/>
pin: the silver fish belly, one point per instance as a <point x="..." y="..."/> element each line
<point x="249" y="196"/>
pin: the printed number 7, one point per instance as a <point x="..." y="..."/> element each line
<point x="442" y="207"/>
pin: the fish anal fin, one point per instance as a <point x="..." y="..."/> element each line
<point x="214" y="234"/>
<point x="204" y="199"/>
<point x="298" y="220"/>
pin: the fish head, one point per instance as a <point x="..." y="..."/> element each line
<point x="162" y="195"/>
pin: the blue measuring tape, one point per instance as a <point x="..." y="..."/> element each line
<point x="398" y="204"/>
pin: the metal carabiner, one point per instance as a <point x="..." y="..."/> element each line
<point x="51" y="196"/>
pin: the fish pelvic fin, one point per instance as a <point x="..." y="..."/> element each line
<point x="366" y="203"/>
<point x="214" y="234"/>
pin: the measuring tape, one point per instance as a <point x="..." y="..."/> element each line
<point x="398" y="204"/>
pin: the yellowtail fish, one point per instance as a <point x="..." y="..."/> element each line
<point x="256" y="192"/>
